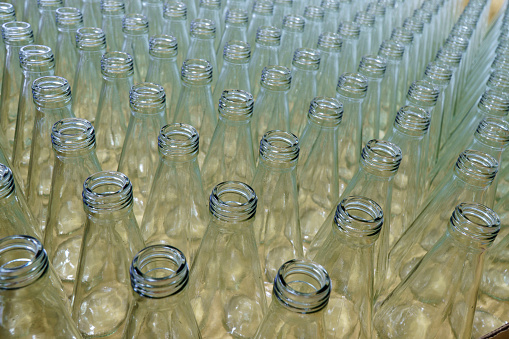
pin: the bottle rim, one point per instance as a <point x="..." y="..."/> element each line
<point x="352" y="86"/>
<point x="196" y="72"/>
<point x="36" y="58"/>
<point x="494" y="103"/>
<point x="112" y="7"/>
<point x="68" y="18"/>
<point x="402" y="35"/>
<point x="203" y="29"/>
<point x="329" y="42"/>
<point x="107" y="192"/>
<point x="476" y="168"/>
<point x="306" y="59"/>
<point x="237" y="52"/>
<point x="325" y="112"/>
<point x="359" y="217"/>
<point x="476" y="222"/>
<point x="412" y="121"/>
<point x="365" y="19"/>
<point x="236" y="105"/>
<point x="438" y="73"/>
<point x="279" y="148"/>
<point x="263" y="7"/>
<point x="135" y="24"/>
<point x="7" y="12"/>
<point x="90" y="39"/>
<point x="314" y="13"/>
<point x="276" y="78"/>
<point x="381" y="158"/>
<point x="49" y="5"/>
<point x="72" y="135"/>
<point x="423" y="93"/>
<point x="147" y="98"/>
<point x="117" y="64"/>
<point x="372" y="66"/>
<point x="233" y="202"/>
<point x="330" y="5"/>
<point x="414" y="24"/>
<point x="236" y="17"/>
<point x="6" y="181"/>
<point x="268" y="36"/>
<point x="175" y="10"/>
<point x="493" y="132"/>
<point x="163" y="46"/>
<point x="349" y="30"/>
<point x="391" y="50"/>
<point x="17" y="33"/>
<point x="178" y="140"/>
<point x="51" y="92"/>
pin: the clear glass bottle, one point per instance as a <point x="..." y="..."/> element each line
<point x="30" y="14"/>
<point x="417" y="52"/>
<point x="113" y="112"/>
<point x="348" y="255"/>
<point x="30" y="300"/>
<point x="282" y="8"/>
<point x="135" y="28"/>
<point x="185" y="222"/>
<point x="265" y="53"/>
<point x="16" y="34"/>
<point x="163" y="69"/>
<point x="111" y="238"/>
<point x="349" y="33"/>
<point x="404" y="37"/>
<point x="262" y="14"/>
<point x="235" y="29"/>
<point x="381" y="24"/>
<point x="7" y="14"/>
<point x="195" y="105"/>
<point x="153" y="10"/>
<point x="277" y="226"/>
<point x="230" y="155"/>
<point x="366" y="22"/>
<point x="331" y="15"/>
<point x="113" y="12"/>
<point x="438" y="298"/>
<point x="47" y="32"/>
<point x="175" y="16"/>
<point x="314" y="16"/>
<point x="36" y="61"/>
<point x="211" y="10"/>
<point x="91" y="10"/>
<point x="271" y="106"/>
<point x="291" y="38"/>
<point x="161" y="308"/>
<point x="299" y="301"/>
<point x="139" y="156"/>
<point x="226" y="287"/>
<point x="68" y="20"/>
<point x="52" y="99"/>
<point x="91" y="43"/>
<point x="329" y="45"/>
<point x="203" y="34"/>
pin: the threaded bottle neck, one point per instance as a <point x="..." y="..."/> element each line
<point x="268" y="36"/>
<point x="135" y="24"/>
<point x="232" y="202"/>
<point x="203" y="29"/>
<point x="159" y="271"/>
<point x="365" y="19"/>
<point x="214" y="5"/>
<point x="107" y="193"/>
<point x="178" y="141"/>
<point x="498" y="80"/>
<point x="352" y="86"/>
<point x="7" y="13"/>
<point x="412" y="121"/>
<point x="314" y="13"/>
<point x="72" y="136"/>
<point x="36" y="58"/>
<point x="402" y="35"/>
<point x="294" y="23"/>
<point x="263" y="7"/>
<point x="476" y="223"/>
<point x="196" y="72"/>
<point x="302" y="286"/>
<point x="68" y="19"/>
<point x="112" y="8"/>
<point x="237" y="52"/>
<point x="449" y="56"/>
<point x="163" y="46"/>
<point x="372" y="66"/>
<point x="6" y="181"/>
<point x="49" y="5"/>
<point x="438" y="73"/>
<point x="456" y="42"/>
<point x="90" y="39"/>
<point x="423" y="14"/>
<point x="423" y="93"/>
<point x="147" y="98"/>
<point x="236" y="105"/>
<point x="329" y="42"/>
<point x="51" y="92"/>
<point x="325" y="112"/>
<point x="236" y="17"/>
<point x="463" y="31"/>
<point x="306" y="59"/>
<point x="381" y="158"/>
<point x="279" y="149"/>
<point x="494" y="103"/>
<point x="117" y="65"/>
<point x="378" y="9"/>
<point x="17" y="33"/>
<point x="349" y="30"/>
<point x="330" y="5"/>
<point x="476" y="168"/>
<point x="415" y="25"/>
<point x="359" y="217"/>
<point x="276" y="78"/>
<point x="175" y="11"/>
<point x="493" y="132"/>
<point x="391" y="50"/>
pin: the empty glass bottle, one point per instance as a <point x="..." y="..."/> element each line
<point x="153" y="10"/>
<point x="282" y="8"/>
<point x="366" y="21"/>
<point x="211" y="10"/>
<point x="52" y="99"/>
<point x="381" y="24"/>
<point x="30" y="14"/>
<point x="175" y="16"/>
<point x="226" y="288"/>
<point x="113" y="12"/>
<point x="7" y="14"/>
<point x="203" y="34"/>
<point x="135" y="28"/>
<point x="299" y="300"/>
<point x="91" y="10"/>
<point x="265" y="53"/>
<point x="139" y="156"/>
<point x="438" y="298"/>
<point x="277" y="226"/>
<point x="235" y="29"/>
<point x="331" y="15"/>
<point x="349" y="32"/>
<point x="329" y="45"/>
<point x="111" y="238"/>
<point x="47" y="32"/>
<point x="68" y="20"/>
<point x="31" y="302"/>
<point x="262" y="14"/>
<point x="291" y="38"/>
<point x="314" y="16"/>
<point x="161" y="308"/>
<point x="73" y="142"/>
<point x="406" y="74"/>
<point x="113" y="109"/>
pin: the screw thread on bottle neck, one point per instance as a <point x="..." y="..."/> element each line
<point x="493" y="132"/>
<point x="294" y="23"/>
<point x="135" y="24"/>
<point x="276" y="78"/>
<point x="237" y="52"/>
<point x="147" y="98"/>
<point x="163" y="46"/>
<point x="359" y="217"/>
<point x="391" y="50"/>
<point x="423" y="93"/>
<point x="365" y="19"/>
<point x="449" y="56"/>
<point x="349" y="30"/>
<point x="306" y="59"/>
<point x="236" y="17"/>
<point x="233" y="202"/>
<point x="263" y="7"/>
<point x="107" y="193"/>
<point x="314" y="13"/>
<point x="236" y="105"/>
<point x="6" y="181"/>
<point x="178" y="141"/>
<point x="203" y="29"/>
<point x="279" y="149"/>
<point x="90" y="39"/>
<point x="268" y="36"/>
<point x="498" y="80"/>
<point x="51" y="92"/>
<point x="330" y="5"/>
<point x="326" y="112"/>
<point x="329" y="42"/>
<point x="494" y="103"/>
<point x="352" y="86"/>
<point x="402" y="35"/>
<point x="117" y="65"/>
<point x="415" y="25"/>
<point x="175" y="11"/>
<point x="381" y="158"/>
<point x="68" y="19"/>
<point x="112" y="8"/>
<point x="476" y="168"/>
<point x="372" y="66"/>
<point x="214" y="5"/>
<point x="423" y="14"/>
<point x="36" y="58"/>
<point x="196" y="72"/>
<point x="17" y="33"/>
<point x="438" y="73"/>
<point x="7" y="12"/>
<point x="49" y="5"/>
<point x="412" y="121"/>
<point x="72" y="136"/>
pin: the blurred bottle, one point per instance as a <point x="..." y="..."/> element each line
<point x="135" y="28"/>
<point x="153" y="11"/>
<point x="91" y="10"/>
<point x="203" y="34"/>
<point x="314" y="16"/>
<point x="265" y="53"/>
<point x="7" y="14"/>
<point x="236" y="27"/>
<point x="262" y="14"/>
<point x="175" y="17"/>
<point x="113" y="12"/>
<point x="331" y="15"/>
<point x="47" y="32"/>
<point x="291" y="38"/>
<point x="366" y="22"/>
<point x="329" y="45"/>
<point x="211" y="10"/>
<point x="349" y="33"/>
<point x="68" y="20"/>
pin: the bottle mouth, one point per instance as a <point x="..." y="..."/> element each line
<point x="475" y="222"/>
<point x="236" y="105"/>
<point x="381" y="157"/>
<point x="456" y="42"/>
<point x="268" y="36"/>
<point x="36" y="58"/>
<point x="463" y="31"/>
<point x="314" y="13"/>
<point x="373" y="66"/>
<point x="450" y="56"/>
<point x="501" y="62"/>
<point x="196" y="72"/>
<point x="493" y="132"/>
<point x="391" y="50"/>
<point x="7" y="12"/>
<point x="499" y="81"/>
<point x="175" y="11"/>
<point x="237" y="52"/>
<point x="72" y="135"/>
<point x="423" y="14"/>
<point x="359" y="217"/>
<point x="163" y="46"/>
<point x="402" y="35"/>
<point x="23" y="261"/>
<point x="414" y="24"/>
<point x="329" y="42"/>
<point x="107" y="192"/>
<point x="117" y="65"/>
<point x="51" y="92"/>
<point x="306" y="59"/>
<point x="494" y="103"/>
<point x="90" y="39"/>
<point x="352" y="86"/>
<point x="6" y="181"/>
<point x="349" y="30"/>
<point x="423" y="93"/>
<point x="476" y="168"/>
<point x="302" y="286"/>
<point x="210" y="4"/>
<point x="365" y="19"/>
<point x="159" y="271"/>
<point x="147" y="98"/>
<point x="178" y="140"/>
<point x="68" y="18"/>
<point x="112" y="7"/>
<point x="17" y="33"/>
<point x="327" y="112"/>
<point x="277" y="78"/>
<point x="49" y="5"/>
<point x="263" y="7"/>
<point x="135" y="24"/>
<point x="279" y="148"/>
<point x="237" y="17"/>
<point x="203" y="29"/>
<point x="377" y="9"/>
<point x="438" y="73"/>
<point x="233" y="202"/>
<point x="412" y="121"/>
<point x="330" y="5"/>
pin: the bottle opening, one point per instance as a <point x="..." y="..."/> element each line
<point x="268" y="36"/>
<point x="325" y="111"/>
<point x="203" y="29"/>
<point x="233" y="201"/>
<point x="72" y="135"/>
<point x="476" y="222"/>
<point x="36" y="58"/>
<point x="236" y="105"/>
<point x="423" y="93"/>
<point x="237" y="52"/>
<point x="381" y="157"/>
<point x="196" y="72"/>
<point x="413" y="121"/>
<point x="117" y="65"/>
<point x="349" y="30"/>
<point x="306" y="58"/>
<point x="163" y="46"/>
<point x="17" y="33"/>
<point x="372" y="66"/>
<point x="365" y="19"/>
<point x="352" y="86"/>
<point x="178" y="140"/>
<point x="135" y="24"/>
<point x="493" y="132"/>
<point x="279" y="147"/>
<point x="6" y="181"/>
<point x="51" y="92"/>
<point x="112" y="7"/>
<point x="263" y="7"/>
<point x="494" y="103"/>
<point x="90" y="39"/>
<point x="236" y="16"/>
<point x="175" y="11"/>
<point x="359" y="217"/>
<point x="314" y="13"/>
<point x="329" y="42"/>
<point x="294" y="23"/>
<point x="391" y="50"/>
<point x="276" y="78"/>
<point x="476" y="168"/>
<point x="68" y="18"/>
<point x="147" y="98"/>
<point x="107" y="192"/>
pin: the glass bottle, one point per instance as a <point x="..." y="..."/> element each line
<point x="113" y="12"/>
<point x="211" y="10"/>
<point x="91" y="43"/>
<point x="262" y="14"/>
<point x="348" y="255"/>
<point x="139" y="156"/>
<point x="438" y="298"/>
<point x="417" y="53"/>
<point x="226" y="287"/>
<point x="468" y="182"/>
<point x="52" y="99"/>
<point x="404" y="37"/>
<point x="195" y="105"/>
<point x="291" y="38"/>
<point x="153" y="11"/>
<point x="112" y="115"/>
<point x="230" y="155"/>
<point x="329" y="45"/>
<point x="16" y="34"/>
<point x="331" y="15"/>
<point x="36" y="61"/>
<point x="133" y="6"/>
<point x="373" y="68"/>
<point x="271" y="106"/>
<point x="265" y="53"/>
<point x="30" y="14"/>
<point x="7" y="14"/>
<point x="299" y="300"/>
<point x="175" y="16"/>
<point x="73" y="143"/>
<point x="203" y="34"/>
<point x="349" y="33"/>
<point x="317" y="173"/>
<point x="277" y="226"/>
<point x="235" y="29"/>
<point x="282" y="8"/>
<point x="381" y="24"/>
<point x="366" y="21"/>
<point x="47" y="32"/>
<point x="314" y="16"/>
<point x="184" y="223"/>
<point x="306" y="62"/>
<point x="30" y="300"/>
<point x="68" y="20"/>
<point x="111" y="238"/>
<point x="161" y="308"/>
<point x="163" y="69"/>
<point x="135" y="28"/>
<point x="91" y="10"/>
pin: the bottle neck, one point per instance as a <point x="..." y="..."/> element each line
<point x="147" y="98"/>
<point x="352" y="86"/>
<point x="90" y="39"/>
<point x="117" y="65"/>
<point x="381" y="158"/>
<point x="476" y="168"/>
<point x="135" y="25"/>
<point x="276" y="78"/>
<point x="73" y="137"/>
<point x="412" y="121"/>
<point x="493" y="133"/>
<point x="50" y="92"/>
<point x="178" y="142"/>
<point x="325" y="112"/>
<point x="68" y="19"/>
<point x="163" y="46"/>
<point x="6" y="182"/>
<point x="279" y="149"/>
<point x="17" y="34"/>
<point x="232" y="202"/>
<point x="36" y="58"/>
<point x="372" y="67"/>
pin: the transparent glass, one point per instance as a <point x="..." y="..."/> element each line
<point x="203" y="34"/>
<point x="261" y="15"/>
<point x="226" y="287"/>
<point x="366" y="22"/>
<point x="113" y="12"/>
<point x="314" y="16"/>
<point x="282" y="8"/>
<point x="176" y="210"/>
<point x="111" y="238"/>
<point x="139" y="156"/>
<point x="349" y="33"/>
<point x="235" y="29"/>
<point x="68" y="20"/>
<point x="30" y="14"/>
<point x="438" y="298"/>
<point x="135" y="28"/>
<point x="331" y="15"/>
<point x="91" y="10"/>
<point x="301" y="293"/>
<point x="211" y="10"/>
<point x="47" y="32"/>
<point x="406" y="72"/>
<point x="161" y="307"/>
<point x="329" y="45"/>
<point x="175" y="16"/>
<point x="153" y="10"/>
<point x="7" y="14"/>
<point x="291" y="38"/>
<point x="348" y="255"/>
<point x="73" y="143"/>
